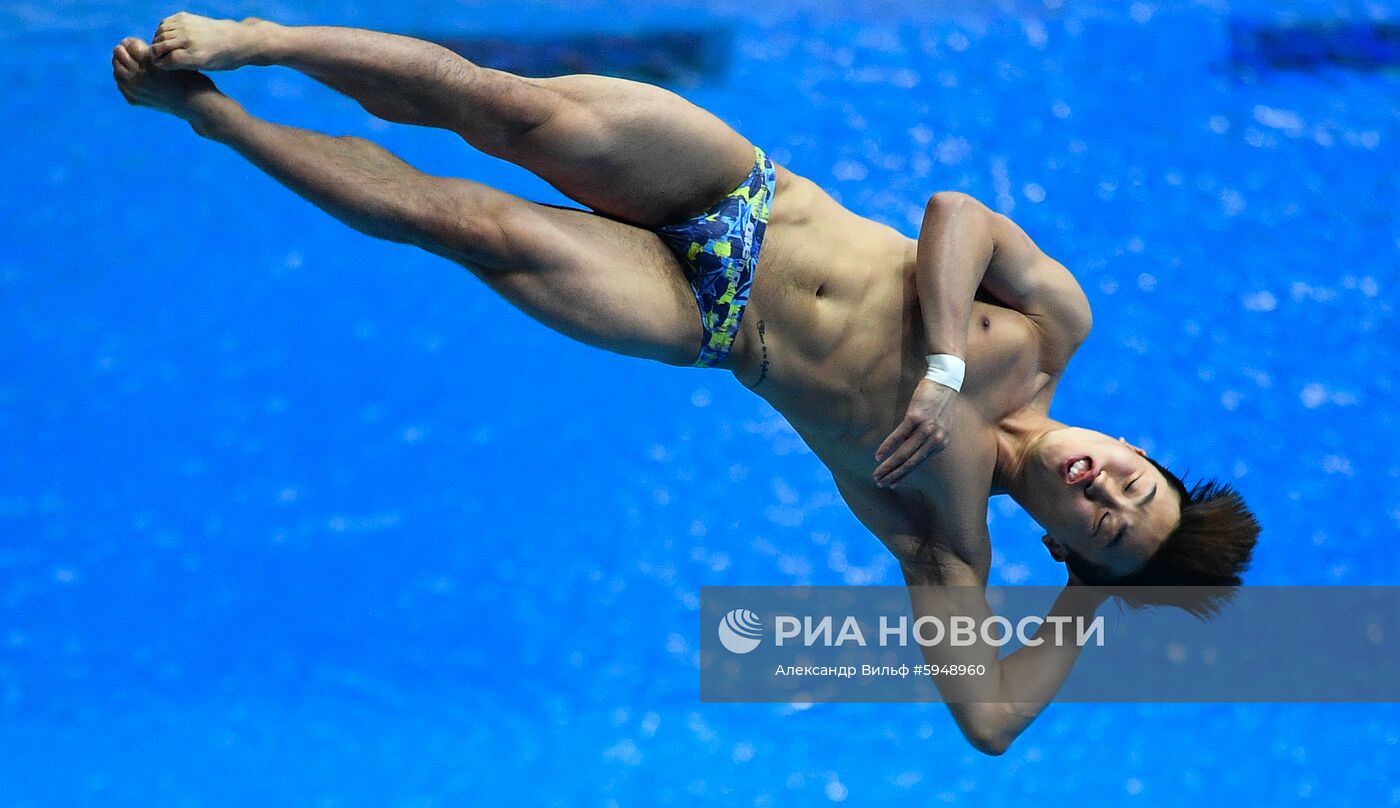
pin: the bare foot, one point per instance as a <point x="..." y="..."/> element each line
<point x="186" y="41"/>
<point x="189" y="95"/>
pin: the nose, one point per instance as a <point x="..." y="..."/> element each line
<point x="1104" y="489"/>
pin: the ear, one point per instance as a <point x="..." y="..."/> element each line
<point x="1057" y="552"/>
<point x="1137" y="449"/>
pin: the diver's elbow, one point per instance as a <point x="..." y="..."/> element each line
<point x="992" y="744"/>
<point x="987" y="729"/>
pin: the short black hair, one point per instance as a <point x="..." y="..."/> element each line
<point x="1199" y="565"/>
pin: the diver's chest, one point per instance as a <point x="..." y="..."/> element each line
<point x="1003" y="359"/>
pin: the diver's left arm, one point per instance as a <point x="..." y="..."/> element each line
<point x="1033" y="674"/>
<point x="994" y="708"/>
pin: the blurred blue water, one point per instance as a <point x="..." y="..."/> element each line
<point x="292" y="517"/>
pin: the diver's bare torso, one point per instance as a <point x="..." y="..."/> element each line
<point x="832" y="337"/>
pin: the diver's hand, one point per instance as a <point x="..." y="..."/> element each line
<point x="923" y="432"/>
<point x="1092" y="595"/>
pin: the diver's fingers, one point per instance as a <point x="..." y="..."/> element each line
<point x="913" y="462"/>
<point x="915" y="449"/>
<point x="895" y="438"/>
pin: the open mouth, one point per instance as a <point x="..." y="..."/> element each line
<point x="1077" y="469"/>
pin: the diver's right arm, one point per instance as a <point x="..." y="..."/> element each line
<point x="956" y="248"/>
<point x="955" y="251"/>
<point x="962" y="246"/>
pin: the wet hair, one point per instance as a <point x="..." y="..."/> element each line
<point x="1198" y="566"/>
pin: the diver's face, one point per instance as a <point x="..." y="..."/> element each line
<point x="1099" y="498"/>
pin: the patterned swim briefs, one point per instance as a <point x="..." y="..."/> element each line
<point x="719" y="250"/>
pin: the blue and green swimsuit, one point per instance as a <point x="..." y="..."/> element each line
<point x="719" y="250"/>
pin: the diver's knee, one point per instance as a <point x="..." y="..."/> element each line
<point x="470" y="228"/>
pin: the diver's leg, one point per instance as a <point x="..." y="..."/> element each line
<point x="602" y="282"/>
<point x="631" y="150"/>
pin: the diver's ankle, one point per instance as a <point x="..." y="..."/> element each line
<point x="272" y="40"/>
<point x="213" y="115"/>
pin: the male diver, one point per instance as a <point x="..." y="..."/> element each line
<point x="919" y="371"/>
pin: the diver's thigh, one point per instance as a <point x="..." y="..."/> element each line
<point x="599" y="281"/>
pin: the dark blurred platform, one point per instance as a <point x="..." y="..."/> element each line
<point x="1311" y="44"/>
<point x="678" y="57"/>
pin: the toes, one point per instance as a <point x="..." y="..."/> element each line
<point x="164" y="47"/>
<point x="172" y="24"/>
<point x="121" y="57"/>
<point x="136" y="48"/>
<point x="173" y="59"/>
<point x="123" y="77"/>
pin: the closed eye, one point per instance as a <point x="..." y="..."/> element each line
<point x="1129" y="486"/>
<point x="1098" y="526"/>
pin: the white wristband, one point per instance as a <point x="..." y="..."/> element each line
<point x="947" y="370"/>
